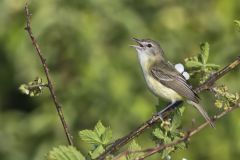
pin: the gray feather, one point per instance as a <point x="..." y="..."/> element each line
<point x="166" y="74"/>
<point x="203" y="112"/>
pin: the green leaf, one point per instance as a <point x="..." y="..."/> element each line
<point x="204" y="52"/>
<point x="181" y="110"/>
<point x="134" y="146"/>
<point x="90" y="136"/>
<point x="24" y="89"/>
<point x="167" y="140"/>
<point x="181" y="145"/>
<point x="33" y="88"/>
<point x="224" y="98"/>
<point x="99" y="136"/>
<point x="107" y="136"/>
<point x="158" y="133"/>
<point x="99" y="128"/>
<point x="213" y="66"/>
<point x="237" y="23"/>
<point x="176" y="121"/>
<point x="96" y="152"/>
<point x="193" y="64"/>
<point x="65" y="153"/>
<point x="166" y="152"/>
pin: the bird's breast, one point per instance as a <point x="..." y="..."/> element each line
<point x="155" y="86"/>
<point x="160" y="90"/>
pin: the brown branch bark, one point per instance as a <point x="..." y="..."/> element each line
<point x="46" y="70"/>
<point x="205" y="86"/>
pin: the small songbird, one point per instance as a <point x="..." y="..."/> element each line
<point x="163" y="79"/>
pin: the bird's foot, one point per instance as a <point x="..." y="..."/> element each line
<point x="159" y="115"/>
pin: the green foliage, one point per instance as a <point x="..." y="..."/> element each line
<point x="33" y="88"/>
<point x="99" y="137"/>
<point x="198" y="64"/>
<point x="65" y="153"/>
<point x="204" y="52"/>
<point x="96" y="151"/>
<point x="134" y="151"/>
<point x="225" y="99"/>
<point x="170" y="131"/>
<point x="237" y="23"/>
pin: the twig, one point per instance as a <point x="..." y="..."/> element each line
<point x="37" y="86"/>
<point x="189" y="134"/>
<point x="46" y="70"/>
<point x="150" y="151"/>
<point x="212" y="79"/>
<point x="205" y="86"/>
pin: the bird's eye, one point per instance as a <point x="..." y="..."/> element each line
<point x="149" y="45"/>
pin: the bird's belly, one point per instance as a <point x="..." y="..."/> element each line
<point x="162" y="91"/>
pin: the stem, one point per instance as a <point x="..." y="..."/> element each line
<point x="188" y="134"/>
<point x="46" y="70"/>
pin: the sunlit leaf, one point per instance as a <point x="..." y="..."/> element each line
<point x="33" y="88"/>
<point x="99" y="136"/>
<point x="134" y="146"/>
<point x="176" y="121"/>
<point x="181" y="110"/>
<point x="218" y="103"/>
<point x="65" y="153"/>
<point x="96" y="152"/>
<point x="193" y="64"/>
<point x="107" y="136"/>
<point x="237" y="23"/>
<point x="158" y="133"/>
<point x="24" y="89"/>
<point x="90" y="136"/>
<point x="166" y="152"/>
<point x="167" y="140"/>
<point x="204" y="52"/>
<point x="99" y="128"/>
<point x="213" y="66"/>
<point x="181" y="145"/>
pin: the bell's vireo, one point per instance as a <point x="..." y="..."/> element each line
<point x="163" y="79"/>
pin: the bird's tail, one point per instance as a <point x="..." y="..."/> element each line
<point x="203" y="112"/>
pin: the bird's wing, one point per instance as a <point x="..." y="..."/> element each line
<point x="171" y="78"/>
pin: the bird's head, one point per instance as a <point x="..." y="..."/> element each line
<point x="148" y="48"/>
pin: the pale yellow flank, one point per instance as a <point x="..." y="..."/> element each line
<point x="155" y="86"/>
<point x="160" y="90"/>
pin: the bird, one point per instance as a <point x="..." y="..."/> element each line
<point x="163" y="80"/>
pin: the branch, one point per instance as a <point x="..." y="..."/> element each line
<point x="150" y="151"/>
<point x="205" y="86"/>
<point x="188" y="134"/>
<point x="213" y="78"/>
<point x="46" y="70"/>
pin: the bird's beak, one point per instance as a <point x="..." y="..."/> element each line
<point x="139" y="42"/>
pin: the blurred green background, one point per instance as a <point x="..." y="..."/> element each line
<point x="97" y="76"/>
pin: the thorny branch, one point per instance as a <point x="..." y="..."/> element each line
<point x="46" y="70"/>
<point x="188" y="134"/>
<point x="205" y="86"/>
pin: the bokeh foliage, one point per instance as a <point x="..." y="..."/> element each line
<point x="97" y="75"/>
